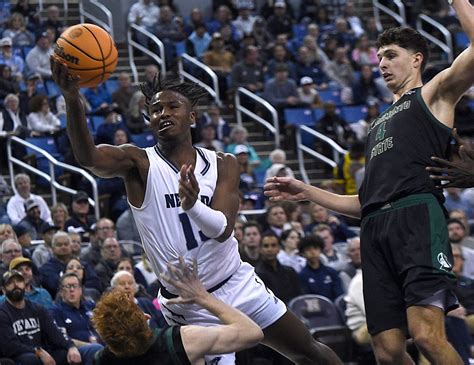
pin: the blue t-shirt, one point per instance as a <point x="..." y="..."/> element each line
<point x="323" y="281"/>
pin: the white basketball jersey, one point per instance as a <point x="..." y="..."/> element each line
<point x="167" y="232"/>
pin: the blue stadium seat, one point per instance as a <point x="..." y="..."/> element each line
<point x="318" y="113"/>
<point x="461" y="39"/>
<point x="49" y="145"/>
<point x="111" y="85"/>
<point x="180" y="48"/>
<point x="331" y="95"/>
<point x="144" y="139"/>
<point x="96" y="121"/>
<point x="353" y="113"/>
<point x="298" y="116"/>
<point x="52" y="89"/>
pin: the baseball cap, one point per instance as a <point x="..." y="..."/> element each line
<point x="8" y="275"/>
<point x="41" y="35"/>
<point x="279" y="4"/>
<point x="31" y="203"/>
<point x="20" y="230"/>
<point x="49" y="227"/>
<point x="306" y="80"/>
<point x="80" y="196"/>
<point x="19" y="261"/>
<point x="6" y="41"/>
<point x="240" y="148"/>
<point x="216" y="35"/>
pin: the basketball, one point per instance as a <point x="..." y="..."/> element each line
<point x="89" y="52"/>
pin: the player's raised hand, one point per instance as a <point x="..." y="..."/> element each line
<point x="188" y="187"/>
<point x="67" y="83"/>
<point x="285" y="188"/>
<point x="184" y="279"/>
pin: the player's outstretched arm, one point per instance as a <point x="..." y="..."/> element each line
<point x="450" y="84"/>
<point x="459" y="172"/>
<point x="287" y="188"/>
<point x="103" y="160"/>
<point x="237" y="331"/>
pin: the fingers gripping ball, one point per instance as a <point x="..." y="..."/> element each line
<point x="89" y="52"/>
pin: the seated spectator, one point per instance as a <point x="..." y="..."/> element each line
<point x="247" y="182"/>
<point x="29" y="11"/>
<point x="280" y="22"/>
<point x="332" y="257"/>
<point x="360" y="128"/>
<point x="354" y="263"/>
<point x="458" y="233"/>
<point x="33" y="82"/>
<point x="462" y="216"/>
<point x="29" y="334"/>
<point x="110" y="255"/>
<point x="315" y="52"/>
<point x="11" y="249"/>
<point x="23" y="237"/>
<point x="339" y="70"/>
<point x="353" y="161"/>
<point x="72" y="315"/>
<point x="343" y="34"/>
<point x="76" y="267"/>
<point x="169" y="29"/>
<point x="238" y="136"/>
<point x="305" y="67"/>
<point x="80" y="215"/>
<point x="51" y="270"/>
<point x="223" y="16"/>
<point x="194" y="21"/>
<point x="309" y="9"/>
<point x="134" y="120"/>
<point x="276" y="220"/>
<point x="317" y="278"/>
<point x="144" y="13"/>
<point x="326" y="25"/>
<point x="308" y="94"/>
<point x="355" y="311"/>
<point x="289" y="255"/>
<point x="7" y="231"/>
<point x="41" y="120"/>
<point x="75" y="243"/>
<point x="262" y="37"/>
<point x="371" y="30"/>
<point x="13" y="122"/>
<point x="103" y="229"/>
<point x="8" y="83"/>
<point x="32" y="220"/>
<point x="198" y="41"/>
<point x="33" y="293"/>
<point x="99" y="99"/>
<point x="351" y="17"/>
<point x="37" y="59"/>
<point x="280" y="279"/>
<point x="122" y="96"/>
<point x="334" y="127"/>
<point x="244" y="22"/>
<point x="250" y="246"/>
<point x="16" y="204"/>
<point x="277" y="157"/>
<point x="369" y="89"/>
<point x="454" y="199"/>
<point x="17" y="32"/>
<point x="208" y="139"/>
<point x="112" y="122"/>
<point x="16" y="63"/>
<point x="53" y="20"/>
<point x="248" y="72"/>
<point x="125" y="282"/>
<point x="126" y="264"/>
<point x="43" y="251"/>
<point x="219" y="60"/>
<point x="144" y="274"/>
<point x="364" y="54"/>
<point x="59" y="215"/>
<point x="212" y="116"/>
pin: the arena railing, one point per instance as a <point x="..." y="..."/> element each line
<point x="337" y="150"/>
<point x="447" y="45"/>
<point x="160" y="60"/>
<point x="399" y="17"/>
<point x="273" y="127"/>
<point x="214" y="90"/>
<point x="51" y="177"/>
<point x="85" y="14"/>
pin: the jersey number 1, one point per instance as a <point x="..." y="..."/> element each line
<point x="191" y="241"/>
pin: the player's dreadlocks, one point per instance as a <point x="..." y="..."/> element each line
<point x="192" y="91"/>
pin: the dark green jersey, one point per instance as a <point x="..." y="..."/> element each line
<point x="166" y="349"/>
<point x="400" y="143"/>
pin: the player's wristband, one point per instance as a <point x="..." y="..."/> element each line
<point x="211" y="222"/>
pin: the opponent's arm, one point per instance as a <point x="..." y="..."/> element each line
<point x="446" y="88"/>
<point x="237" y="331"/>
<point x="286" y="188"/>
<point x="102" y="160"/>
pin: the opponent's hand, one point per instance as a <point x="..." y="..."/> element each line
<point x="188" y="187"/>
<point x="189" y="286"/>
<point x="460" y="171"/>
<point x="68" y="84"/>
<point x="285" y="188"/>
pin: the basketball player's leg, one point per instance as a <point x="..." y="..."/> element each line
<point x="426" y="324"/>
<point x="390" y="347"/>
<point x="289" y="336"/>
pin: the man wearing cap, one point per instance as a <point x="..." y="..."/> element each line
<point x="7" y="57"/>
<point x="37" y="59"/>
<point x="33" y="293"/>
<point x="29" y="334"/>
<point x="23" y="236"/>
<point x="80" y="215"/>
<point x="33" y="221"/>
<point x="280" y="22"/>
<point x="16" y="204"/>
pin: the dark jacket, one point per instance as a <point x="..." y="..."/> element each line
<point x="75" y="321"/>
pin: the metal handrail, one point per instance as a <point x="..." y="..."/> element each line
<point x="214" y="90"/>
<point x="239" y="109"/>
<point x="133" y="44"/>
<point x="51" y="178"/>
<point x="399" y="17"/>
<point x="447" y="45"/>
<point x="85" y="14"/>
<point x="300" y="148"/>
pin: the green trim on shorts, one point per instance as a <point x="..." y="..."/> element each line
<point x="170" y="345"/>
<point x="404" y="202"/>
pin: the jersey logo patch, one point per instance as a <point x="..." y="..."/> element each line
<point x="444" y="262"/>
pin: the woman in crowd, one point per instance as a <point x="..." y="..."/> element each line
<point x="60" y="215"/>
<point x="75" y="266"/>
<point x="41" y="120"/>
<point x="16" y="30"/>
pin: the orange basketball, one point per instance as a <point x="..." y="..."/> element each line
<point x="89" y="52"/>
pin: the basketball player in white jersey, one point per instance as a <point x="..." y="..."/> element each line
<point x="185" y="201"/>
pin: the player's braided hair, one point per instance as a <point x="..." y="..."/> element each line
<point x="192" y="91"/>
